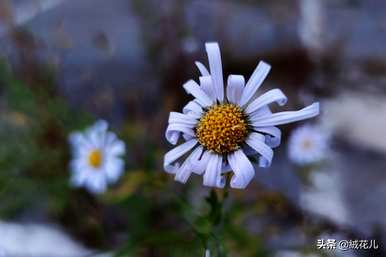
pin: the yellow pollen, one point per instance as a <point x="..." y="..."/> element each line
<point x="222" y="128"/>
<point x="95" y="158"/>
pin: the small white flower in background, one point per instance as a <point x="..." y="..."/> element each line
<point x="307" y="144"/>
<point x="222" y="129"/>
<point x="207" y="253"/>
<point x="96" y="157"/>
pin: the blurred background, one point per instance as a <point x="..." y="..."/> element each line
<point x="66" y="63"/>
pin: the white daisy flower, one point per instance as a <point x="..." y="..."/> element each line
<point x="96" y="158"/>
<point x="222" y="129"/>
<point x="307" y="144"/>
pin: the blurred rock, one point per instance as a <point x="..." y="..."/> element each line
<point x="325" y="198"/>
<point x="357" y="117"/>
<point x="15" y="13"/>
<point x="33" y="240"/>
<point x="92" y="45"/>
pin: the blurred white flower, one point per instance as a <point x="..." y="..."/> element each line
<point x="96" y="157"/>
<point x="307" y="144"/>
<point x="222" y="129"/>
<point x="207" y="253"/>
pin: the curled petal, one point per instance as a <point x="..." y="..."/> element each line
<point x="235" y="86"/>
<point x="176" y="153"/>
<point x="212" y="175"/>
<point x="203" y="70"/>
<point x="274" y="95"/>
<point x="194" y="109"/>
<point x="286" y="117"/>
<point x="183" y="173"/>
<point x="254" y="82"/>
<point x="215" y="66"/>
<point x="200" y="165"/>
<point x="194" y="89"/>
<point x="272" y="135"/>
<point x="180" y="123"/>
<point x="242" y="168"/>
<point x="173" y="131"/>
<point x="257" y="142"/>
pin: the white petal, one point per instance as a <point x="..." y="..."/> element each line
<point x="254" y="82"/>
<point x="187" y="137"/>
<point x="180" y="118"/>
<point x="272" y="135"/>
<point x="207" y="253"/>
<point x="207" y="85"/>
<point x="215" y="67"/>
<point x="100" y="126"/>
<point x="114" y="169"/>
<point x="173" y="131"/>
<point x="200" y="165"/>
<point x="177" y="152"/>
<point x="257" y="142"/>
<point x="212" y="175"/>
<point x="194" y="89"/>
<point x="172" y="169"/>
<point x="117" y="148"/>
<point x="235" y="86"/>
<point x="96" y="183"/>
<point x="242" y="168"/>
<point x="274" y="95"/>
<point x="183" y="173"/>
<point x="113" y="145"/>
<point x="96" y="134"/>
<point x="78" y="164"/>
<point x="287" y="117"/>
<point x="263" y="111"/>
<point x="193" y="108"/>
<point x="110" y="137"/>
<point x="79" y="174"/>
<point x="76" y="139"/>
<point x="204" y="71"/>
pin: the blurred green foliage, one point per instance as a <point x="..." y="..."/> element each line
<point x="34" y="125"/>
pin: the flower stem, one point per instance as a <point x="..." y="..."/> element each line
<point x="217" y="217"/>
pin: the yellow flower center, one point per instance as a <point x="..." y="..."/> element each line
<point x="95" y="158"/>
<point x="222" y="128"/>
